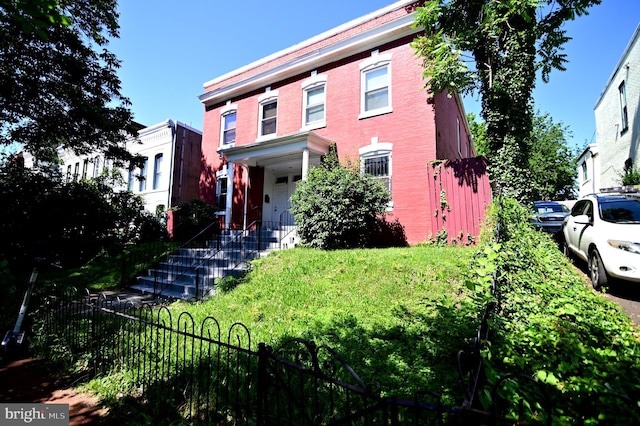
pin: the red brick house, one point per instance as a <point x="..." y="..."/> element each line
<point x="359" y="86"/>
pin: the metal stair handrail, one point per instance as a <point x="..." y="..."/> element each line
<point x="238" y="239"/>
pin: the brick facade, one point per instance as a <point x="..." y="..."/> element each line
<point x="413" y="131"/>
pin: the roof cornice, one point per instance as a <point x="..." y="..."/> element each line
<point x="372" y="38"/>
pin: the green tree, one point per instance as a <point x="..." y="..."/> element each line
<point x="58" y="81"/>
<point x="65" y="221"/>
<point x="552" y="165"/>
<point x="508" y="42"/>
<point x="35" y="16"/>
<point x="478" y="130"/>
<point x="337" y="206"/>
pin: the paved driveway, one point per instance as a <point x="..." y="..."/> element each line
<point x="625" y="294"/>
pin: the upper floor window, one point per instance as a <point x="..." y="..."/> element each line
<point x="623" y="107"/>
<point x="585" y="172"/>
<point x="268" y="113"/>
<point x="375" y="85"/>
<point x="228" y="124"/>
<point x="314" y="102"/>
<point x="157" y="171"/>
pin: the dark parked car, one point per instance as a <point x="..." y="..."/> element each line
<point x="549" y="215"/>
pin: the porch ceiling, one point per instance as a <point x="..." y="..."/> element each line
<point x="281" y="155"/>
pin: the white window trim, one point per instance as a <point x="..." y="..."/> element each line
<point x="264" y="99"/>
<point x="369" y="64"/>
<point x="226" y="110"/>
<point x="376" y="149"/>
<point x="311" y="83"/>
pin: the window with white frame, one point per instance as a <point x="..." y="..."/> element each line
<point x="221" y="190"/>
<point x="142" y="178"/>
<point x="157" y="171"/>
<point x="268" y="114"/>
<point x="130" y="179"/>
<point x="96" y="166"/>
<point x="623" y="107"/>
<point x="375" y="85"/>
<point x="314" y="102"/>
<point x="85" y="168"/>
<point x="228" y="118"/>
<point x="585" y="172"/>
<point x="76" y="171"/>
<point x="375" y="160"/>
<point x="69" y="173"/>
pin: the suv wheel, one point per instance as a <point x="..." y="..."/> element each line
<point x="597" y="274"/>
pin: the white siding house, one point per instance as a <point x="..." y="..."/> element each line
<point x="169" y="175"/>
<point x="618" y="120"/>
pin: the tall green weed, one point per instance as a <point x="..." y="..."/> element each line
<point x="553" y="329"/>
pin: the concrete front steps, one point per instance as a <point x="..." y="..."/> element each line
<point x="191" y="272"/>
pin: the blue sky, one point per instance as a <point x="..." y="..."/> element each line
<point x="168" y="51"/>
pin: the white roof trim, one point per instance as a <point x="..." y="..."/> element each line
<point x="622" y="59"/>
<point x="369" y="39"/>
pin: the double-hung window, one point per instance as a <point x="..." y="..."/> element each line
<point x="268" y="120"/>
<point x="314" y="102"/>
<point x="379" y="166"/>
<point x="375" y="160"/>
<point x="228" y="119"/>
<point x="130" y="179"/>
<point x="142" y="179"/>
<point x="157" y="171"/>
<point x="375" y="85"/>
<point x="96" y="166"/>
<point x="624" y="118"/>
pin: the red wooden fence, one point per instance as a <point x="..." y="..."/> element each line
<point x="461" y="194"/>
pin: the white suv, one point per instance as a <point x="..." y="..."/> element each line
<point x="604" y="230"/>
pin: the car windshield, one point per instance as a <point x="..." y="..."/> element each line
<point x="621" y="211"/>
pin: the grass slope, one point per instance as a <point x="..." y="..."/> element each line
<point x="397" y="316"/>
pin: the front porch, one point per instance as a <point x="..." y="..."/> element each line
<point x="261" y="177"/>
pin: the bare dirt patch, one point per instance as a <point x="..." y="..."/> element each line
<point x="27" y="380"/>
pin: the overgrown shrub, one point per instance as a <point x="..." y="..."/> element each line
<point x="551" y="329"/>
<point x="191" y="218"/>
<point x="66" y="222"/>
<point x="338" y="206"/>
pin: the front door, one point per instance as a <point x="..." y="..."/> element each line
<point x="280" y="200"/>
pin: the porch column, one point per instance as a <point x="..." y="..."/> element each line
<point x="305" y="163"/>
<point x="227" y="209"/>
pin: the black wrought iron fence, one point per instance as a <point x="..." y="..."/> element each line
<point x="201" y="374"/>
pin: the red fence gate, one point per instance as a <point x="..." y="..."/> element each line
<point x="461" y="193"/>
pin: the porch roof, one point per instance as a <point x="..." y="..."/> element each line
<point x="279" y="154"/>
